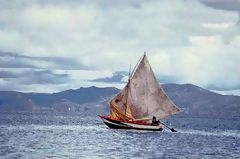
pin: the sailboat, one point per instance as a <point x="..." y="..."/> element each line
<point x="140" y="101"/>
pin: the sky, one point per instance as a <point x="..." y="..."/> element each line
<point x="50" y="46"/>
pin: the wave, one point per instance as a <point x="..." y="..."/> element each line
<point x="230" y="133"/>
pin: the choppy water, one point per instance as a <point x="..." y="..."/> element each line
<point x="24" y="135"/>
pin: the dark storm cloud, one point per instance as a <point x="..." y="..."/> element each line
<point x="14" y="60"/>
<point x="7" y="74"/>
<point x="25" y="70"/>
<point x="33" y="77"/>
<point x="232" y="5"/>
<point x="228" y="5"/>
<point x="44" y="77"/>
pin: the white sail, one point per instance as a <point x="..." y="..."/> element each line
<point x="142" y="97"/>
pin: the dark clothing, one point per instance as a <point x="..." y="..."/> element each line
<point x="154" y="121"/>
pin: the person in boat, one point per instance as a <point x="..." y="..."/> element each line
<point x="155" y="122"/>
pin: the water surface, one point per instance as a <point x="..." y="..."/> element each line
<point x="27" y="135"/>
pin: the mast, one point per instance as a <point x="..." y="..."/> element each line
<point x="135" y="67"/>
<point x="128" y="89"/>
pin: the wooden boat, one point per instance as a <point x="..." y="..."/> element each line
<point x="140" y="101"/>
<point x="137" y="125"/>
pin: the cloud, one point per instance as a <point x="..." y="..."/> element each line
<point x="14" y="60"/>
<point x="30" y="79"/>
<point x="208" y="62"/>
<point x="118" y="77"/>
<point x="232" y="5"/>
<point x="33" y="76"/>
<point x="6" y="74"/>
<point x="44" y="77"/>
<point x="229" y="30"/>
<point x="89" y="40"/>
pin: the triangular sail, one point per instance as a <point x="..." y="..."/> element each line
<point x="119" y="107"/>
<point x="142" y="97"/>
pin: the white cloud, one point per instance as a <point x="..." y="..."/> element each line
<point x="207" y="62"/>
<point x="186" y="40"/>
<point x="205" y="40"/>
<point x="228" y="92"/>
<point x="218" y="26"/>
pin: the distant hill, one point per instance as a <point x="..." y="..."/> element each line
<point x="198" y="102"/>
<point x="62" y="101"/>
<point x="193" y="100"/>
<point x="79" y="96"/>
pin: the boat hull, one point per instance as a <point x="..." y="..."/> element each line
<point x="117" y="124"/>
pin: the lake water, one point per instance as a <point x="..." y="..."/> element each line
<point x="27" y="135"/>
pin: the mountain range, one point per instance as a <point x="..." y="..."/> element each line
<point x="194" y="101"/>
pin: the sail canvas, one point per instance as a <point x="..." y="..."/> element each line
<point x="142" y="97"/>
